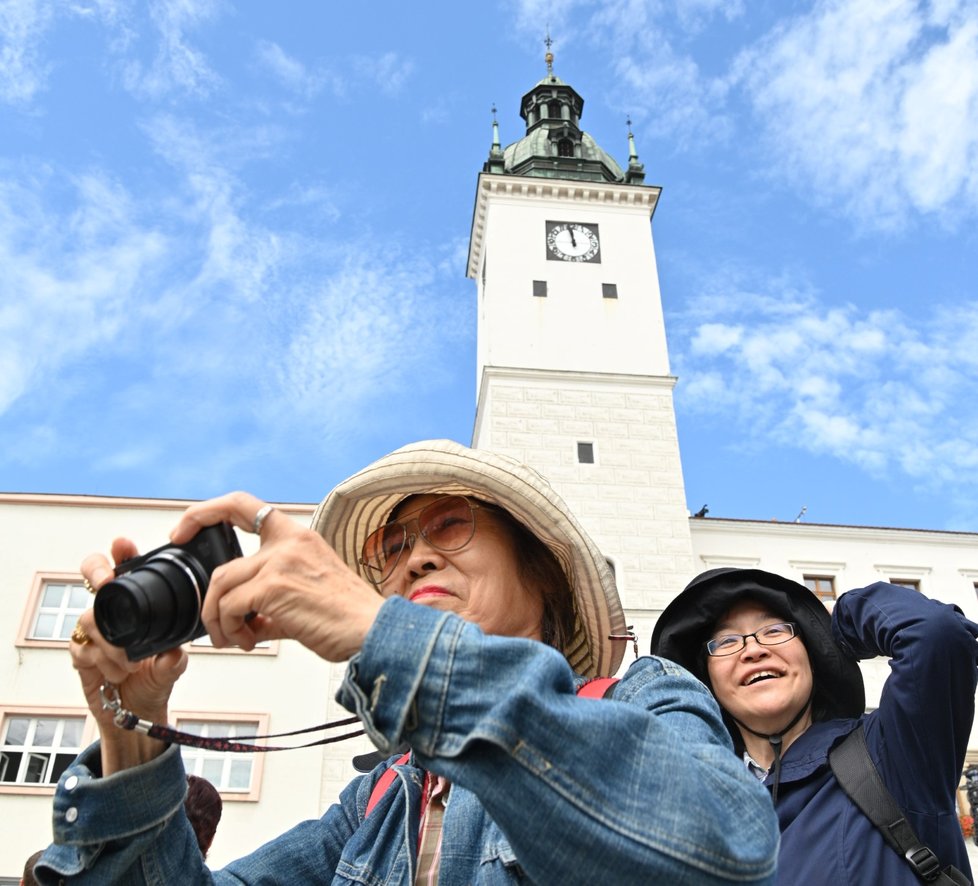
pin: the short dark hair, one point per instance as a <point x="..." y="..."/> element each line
<point x="28" y="875"/>
<point x="204" y="806"/>
<point x="541" y="571"/>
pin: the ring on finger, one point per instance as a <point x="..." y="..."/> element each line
<point x="89" y="586"/>
<point x="260" y="518"/>
<point x="79" y="636"/>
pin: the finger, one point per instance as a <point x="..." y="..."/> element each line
<point x="96" y="569"/>
<point x="123" y="549"/>
<point x="228" y="579"/>
<point x="236" y="508"/>
<point x="97" y="652"/>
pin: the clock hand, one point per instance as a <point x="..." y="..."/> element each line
<point x="573" y="241"/>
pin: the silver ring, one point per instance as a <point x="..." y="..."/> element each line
<point x="260" y="518"/>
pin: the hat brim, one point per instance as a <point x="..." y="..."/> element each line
<point x="683" y="628"/>
<point x="360" y="504"/>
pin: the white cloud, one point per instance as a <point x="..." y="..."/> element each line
<point x="873" y="106"/>
<point x="70" y="279"/>
<point x="890" y="395"/>
<point x="389" y="71"/>
<point x="23" y="23"/>
<point x="178" y="64"/>
<point x="296" y="76"/>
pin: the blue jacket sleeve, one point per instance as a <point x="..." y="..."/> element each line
<point x="928" y="701"/>
<point x="640" y="788"/>
<point x="131" y="828"/>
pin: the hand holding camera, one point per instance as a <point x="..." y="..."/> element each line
<point x="155" y="601"/>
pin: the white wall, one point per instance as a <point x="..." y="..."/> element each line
<point x="293" y="687"/>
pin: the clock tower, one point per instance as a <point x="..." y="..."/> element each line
<point x="572" y="367"/>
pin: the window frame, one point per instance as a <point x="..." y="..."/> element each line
<point x="822" y="578"/>
<point x="180" y="720"/>
<point x="38" y="712"/>
<point x="30" y="613"/>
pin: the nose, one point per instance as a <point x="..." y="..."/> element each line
<point x="752" y="649"/>
<point x="420" y="556"/>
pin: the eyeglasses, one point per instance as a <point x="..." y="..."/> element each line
<point x="447" y="524"/>
<point x="772" y="635"/>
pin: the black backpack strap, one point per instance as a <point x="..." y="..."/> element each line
<point x="860" y="779"/>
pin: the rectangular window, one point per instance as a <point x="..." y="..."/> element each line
<point x="609" y="290"/>
<point x="585" y="453"/>
<point x="58" y="606"/>
<point x="823" y="586"/>
<point x="912" y="583"/>
<point x="540" y="288"/>
<point x="235" y="775"/>
<point x="36" y="750"/>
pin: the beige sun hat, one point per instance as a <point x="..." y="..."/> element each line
<point x="360" y="504"/>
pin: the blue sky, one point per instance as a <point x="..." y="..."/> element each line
<point x="232" y="238"/>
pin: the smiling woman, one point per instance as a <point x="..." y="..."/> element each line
<point x="472" y="608"/>
<point x="785" y="675"/>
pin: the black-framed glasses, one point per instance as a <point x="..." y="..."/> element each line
<point x="447" y="524"/>
<point x="770" y="635"/>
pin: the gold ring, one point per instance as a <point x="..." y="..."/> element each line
<point x="79" y="636"/>
<point x="88" y="586"/>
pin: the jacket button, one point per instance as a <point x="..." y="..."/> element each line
<point x="71" y="782"/>
<point x="71" y="815"/>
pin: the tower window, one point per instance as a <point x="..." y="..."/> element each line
<point x="585" y="453"/>
<point x="540" y="288"/>
<point x="553" y="109"/>
<point x="565" y="148"/>
<point x="609" y="290"/>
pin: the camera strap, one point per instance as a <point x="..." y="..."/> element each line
<point x="111" y="701"/>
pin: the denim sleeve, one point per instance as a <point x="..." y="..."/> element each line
<point x="128" y="827"/>
<point x="131" y="828"/>
<point x="928" y="701"/>
<point x="643" y="787"/>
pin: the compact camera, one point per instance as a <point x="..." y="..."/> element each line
<point x="155" y="600"/>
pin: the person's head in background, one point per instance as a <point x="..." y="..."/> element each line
<point x="27" y="879"/>
<point x="203" y="806"/>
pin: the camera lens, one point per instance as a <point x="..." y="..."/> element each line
<point x="158" y="603"/>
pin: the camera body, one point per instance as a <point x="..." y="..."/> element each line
<point x="155" y="600"/>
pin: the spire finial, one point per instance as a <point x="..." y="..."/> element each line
<point x="635" y="174"/>
<point x="495" y="131"/>
<point x="549" y="57"/>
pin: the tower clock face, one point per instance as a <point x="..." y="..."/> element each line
<point x="573" y="241"/>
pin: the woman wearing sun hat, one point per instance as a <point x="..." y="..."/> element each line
<point x="784" y="672"/>
<point x="494" y="607"/>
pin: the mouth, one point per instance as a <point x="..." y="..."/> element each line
<point x="429" y="592"/>
<point x="760" y="676"/>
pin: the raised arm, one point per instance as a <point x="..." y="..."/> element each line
<point x="928" y="701"/>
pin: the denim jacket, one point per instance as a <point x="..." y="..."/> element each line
<point x="547" y="787"/>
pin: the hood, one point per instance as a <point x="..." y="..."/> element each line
<point x="687" y="622"/>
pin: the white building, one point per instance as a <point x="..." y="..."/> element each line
<point x="572" y="377"/>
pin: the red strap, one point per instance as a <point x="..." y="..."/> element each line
<point x="599" y="687"/>
<point x="384" y="782"/>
